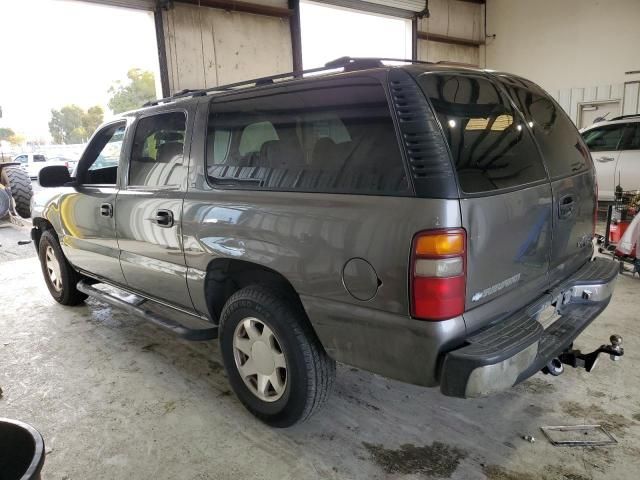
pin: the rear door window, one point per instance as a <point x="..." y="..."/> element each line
<point x="557" y="136"/>
<point x="325" y="138"/>
<point x="157" y="151"/>
<point x="631" y="137"/>
<point x="39" y="158"/>
<point x="491" y="148"/>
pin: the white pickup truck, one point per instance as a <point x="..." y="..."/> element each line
<point x="615" y="148"/>
<point x="34" y="162"/>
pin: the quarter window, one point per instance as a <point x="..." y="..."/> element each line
<point x="157" y="152"/>
<point x="334" y="139"/>
<point x="554" y="131"/>
<point x="490" y="146"/>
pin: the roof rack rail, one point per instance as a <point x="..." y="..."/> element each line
<point x="348" y="64"/>
<point x="622" y="117"/>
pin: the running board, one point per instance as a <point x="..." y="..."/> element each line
<point x="134" y="305"/>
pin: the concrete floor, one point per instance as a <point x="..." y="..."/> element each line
<point x="116" y="397"/>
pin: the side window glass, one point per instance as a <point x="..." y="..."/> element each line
<point x="39" y="158"/>
<point x="554" y="131"/>
<point x="631" y="137"/>
<point x="157" y="152"/>
<point x="603" y="139"/>
<point x="490" y="145"/>
<point x="255" y="135"/>
<point x="22" y="159"/>
<point x="327" y="138"/>
<point x="99" y="164"/>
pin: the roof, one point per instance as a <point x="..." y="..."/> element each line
<point x="338" y="66"/>
<point x="616" y="120"/>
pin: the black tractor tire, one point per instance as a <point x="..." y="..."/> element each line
<point x="62" y="285"/>
<point x="309" y="371"/>
<point x="19" y="183"/>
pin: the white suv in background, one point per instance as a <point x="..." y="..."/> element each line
<point x="615" y="148"/>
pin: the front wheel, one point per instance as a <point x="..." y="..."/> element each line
<point x="59" y="275"/>
<point x="275" y="363"/>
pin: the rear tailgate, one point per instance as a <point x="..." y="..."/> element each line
<point x="571" y="170"/>
<point x="506" y="195"/>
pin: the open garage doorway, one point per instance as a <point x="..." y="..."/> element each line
<point x="72" y="58"/>
<point x="329" y="32"/>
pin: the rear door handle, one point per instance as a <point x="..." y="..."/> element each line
<point x="163" y="218"/>
<point x="106" y="210"/>
<point x="605" y="159"/>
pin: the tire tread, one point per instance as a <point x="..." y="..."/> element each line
<point x="321" y="367"/>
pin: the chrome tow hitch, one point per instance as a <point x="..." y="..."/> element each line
<point x="577" y="359"/>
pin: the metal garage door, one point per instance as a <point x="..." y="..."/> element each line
<point x="396" y="8"/>
<point x="137" y="4"/>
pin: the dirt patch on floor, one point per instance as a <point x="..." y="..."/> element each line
<point x="496" y="472"/>
<point x="536" y="386"/>
<point x="437" y="459"/>
<point x="595" y="393"/>
<point x="614" y="422"/>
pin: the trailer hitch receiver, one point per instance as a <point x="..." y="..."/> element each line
<point x="588" y="361"/>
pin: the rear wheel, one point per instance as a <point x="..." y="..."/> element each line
<point x="20" y="185"/>
<point x="59" y="275"/>
<point x="275" y="364"/>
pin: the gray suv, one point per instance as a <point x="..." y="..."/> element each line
<point x="429" y="223"/>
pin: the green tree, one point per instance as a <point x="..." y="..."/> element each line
<point x="140" y="88"/>
<point x="71" y="124"/>
<point x="6" y="133"/>
<point x="93" y="118"/>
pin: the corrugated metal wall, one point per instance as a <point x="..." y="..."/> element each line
<point x="452" y="18"/>
<point x="207" y="46"/>
<point x="628" y="94"/>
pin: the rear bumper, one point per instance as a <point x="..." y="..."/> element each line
<point x="510" y="351"/>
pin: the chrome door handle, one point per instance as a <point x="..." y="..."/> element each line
<point x="163" y="218"/>
<point x="106" y="210"/>
<point x="605" y="159"/>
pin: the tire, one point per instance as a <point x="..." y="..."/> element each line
<point x="20" y="185"/>
<point x="301" y="367"/>
<point x="61" y="278"/>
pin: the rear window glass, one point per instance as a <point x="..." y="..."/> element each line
<point x="328" y="138"/>
<point x="557" y="136"/>
<point x="490" y="146"/>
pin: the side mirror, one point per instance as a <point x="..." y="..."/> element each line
<point x="54" y="176"/>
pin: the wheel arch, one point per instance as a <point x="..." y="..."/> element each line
<point x="39" y="226"/>
<point x="225" y="276"/>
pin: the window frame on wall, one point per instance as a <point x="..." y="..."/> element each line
<point x="386" y="119"/>
<point x="185" y="150"/>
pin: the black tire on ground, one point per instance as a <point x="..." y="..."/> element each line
<point x="19" y="183"/>
<point x="62" y="282"/>
<point x="309" y="372"/>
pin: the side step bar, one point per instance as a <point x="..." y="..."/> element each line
<point x="133" y="305"/>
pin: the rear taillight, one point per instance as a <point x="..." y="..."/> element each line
<point x="438" y="274"/>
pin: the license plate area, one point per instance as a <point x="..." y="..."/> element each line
<point x="547" y="316"/>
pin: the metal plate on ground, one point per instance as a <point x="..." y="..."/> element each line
<point x="578" y="436"/>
